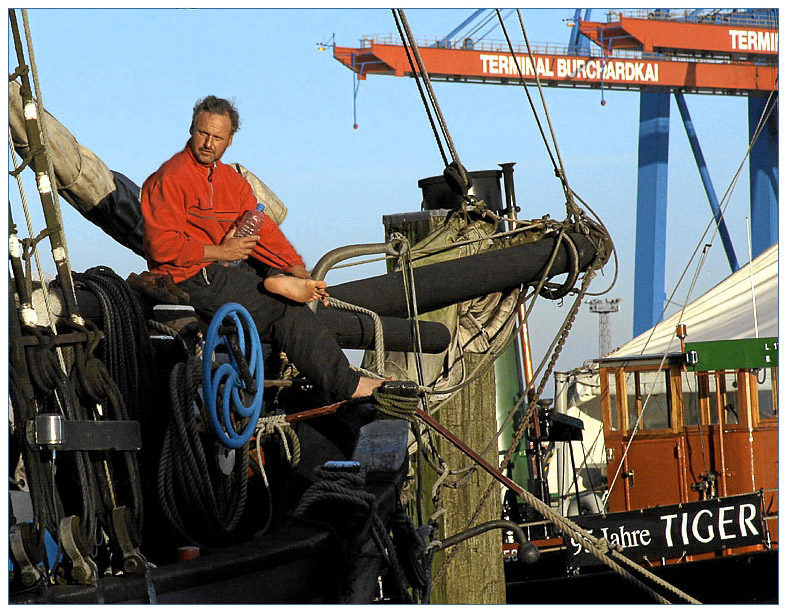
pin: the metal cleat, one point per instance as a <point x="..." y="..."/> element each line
<point x="134" y="563"/>
<point x="30" y="573"/>
<point x="83" y="571"/>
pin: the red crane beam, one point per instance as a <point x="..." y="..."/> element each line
<point x="556" y="69"/>
<point x="737" y="40"/>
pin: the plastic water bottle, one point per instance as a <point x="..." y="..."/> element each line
<point x="249" y="225"/>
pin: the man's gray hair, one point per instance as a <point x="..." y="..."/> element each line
<point x="218" y="106"/>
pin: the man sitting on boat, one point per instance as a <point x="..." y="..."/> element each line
<point x="190" y="207"/>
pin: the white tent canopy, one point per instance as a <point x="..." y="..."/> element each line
<point x="724" y="312"/>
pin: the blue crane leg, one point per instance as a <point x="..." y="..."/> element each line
<point x="576" y="43"/>
<point x="764" y="178"/>
<point x="651" y="230"/>
<point x="706" y="181"/>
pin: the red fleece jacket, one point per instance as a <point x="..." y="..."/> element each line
<point x="187" y="205"/>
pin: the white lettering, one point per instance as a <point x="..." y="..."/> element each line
<point x="668" y="529"/>
<point x="754" y="40"/>
<point x="722" y="522"/>
<point x="485" y="62"/>
<point x="694" y="526"/>
<point x="746" y="521"/>
<point x="644" y="537"/>
<point x="493" y="63"/>
<point x="652" y="72"/>
<point x="684" y="529"/>
<point x="629" y="539"/>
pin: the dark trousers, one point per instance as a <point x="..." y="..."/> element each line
<point x="292" y="327"/>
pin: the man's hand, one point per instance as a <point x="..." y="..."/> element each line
<point x="231" y="248"/>
<point x="300" y="272"/>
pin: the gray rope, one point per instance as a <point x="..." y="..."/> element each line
<point x="379" y="342"/>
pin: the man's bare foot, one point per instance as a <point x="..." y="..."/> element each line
<point x="298" y="290"/>
<point x="366" y="386"/>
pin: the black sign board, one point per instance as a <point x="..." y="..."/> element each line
<point x="675" y="530"/>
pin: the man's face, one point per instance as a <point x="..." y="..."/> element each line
<point x="211" y="137"/>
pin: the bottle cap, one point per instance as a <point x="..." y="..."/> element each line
<point x="260" y="207"/>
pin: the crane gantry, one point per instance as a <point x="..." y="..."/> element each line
<point x="659" y="53"/>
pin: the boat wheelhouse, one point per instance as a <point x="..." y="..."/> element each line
<point x="685" y="429"/>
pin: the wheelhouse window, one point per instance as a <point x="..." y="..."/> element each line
<point x="612" y="386"/>
<point x="722" y="391"/>
<point x="648" y="400"/>
<point x="730" y="395"/>
<point x="767" y="392"/>
<point x="690" y="391"/>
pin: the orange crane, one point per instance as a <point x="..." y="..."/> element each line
<point x="657" y="53"/>
<point x="633" y="53"/>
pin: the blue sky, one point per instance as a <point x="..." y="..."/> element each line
<point x="124" y="83"/>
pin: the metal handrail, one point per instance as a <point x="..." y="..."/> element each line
<point x="546" y="49"/>
<point x="710" y="17"/>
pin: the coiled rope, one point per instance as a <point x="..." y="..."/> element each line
<point x="340" y="496"/>
<point x="127" y="349"/>
<point x="200" y="502"/>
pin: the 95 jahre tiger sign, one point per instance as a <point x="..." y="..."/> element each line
<point x="675" y="530"/>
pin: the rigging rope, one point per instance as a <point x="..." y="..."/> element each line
<point x="455" y="173"/>
<point x="42" y="123"/>
<point x="266" y="427"/>
<point x="405" y="408"/>
<point x="560" y="172"/>
<point x="28" y="279"/>
<point x="379" y="341"/>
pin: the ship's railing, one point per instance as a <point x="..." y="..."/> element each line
<point x="496" y="46"/>
<point x="713" y="16"/>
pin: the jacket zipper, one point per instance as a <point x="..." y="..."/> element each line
<point x="210" y="181"/>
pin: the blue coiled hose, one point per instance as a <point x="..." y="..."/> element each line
<point x="228" y="374"/>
